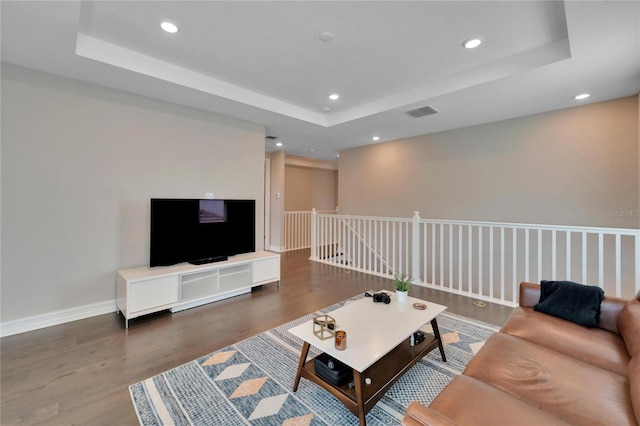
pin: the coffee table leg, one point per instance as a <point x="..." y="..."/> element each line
<point x="303" y="359"/>
<point x="357" y="378"/>
<point x="436" y="332"/>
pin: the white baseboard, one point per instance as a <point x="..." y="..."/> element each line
<point x="36" y="322"/>
<point x="277" y="249"/>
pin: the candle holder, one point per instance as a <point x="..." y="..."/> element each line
<point x="324" y="326"/>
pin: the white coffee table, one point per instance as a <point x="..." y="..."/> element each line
<point x="378" y="348"/>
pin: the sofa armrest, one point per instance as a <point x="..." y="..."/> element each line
<point x="417" y="415"/>
<point x="529" y="294"/>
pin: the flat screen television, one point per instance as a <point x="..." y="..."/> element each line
<point x="200" y="231"/>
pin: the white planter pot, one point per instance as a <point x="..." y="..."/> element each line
<point x="402" y="296"/>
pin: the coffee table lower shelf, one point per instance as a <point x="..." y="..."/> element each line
<point x="360" y="398"/>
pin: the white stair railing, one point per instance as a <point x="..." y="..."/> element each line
<point x="297" y="228"/>
<point x="377" y="245"/>
<point x="483" y="260"/>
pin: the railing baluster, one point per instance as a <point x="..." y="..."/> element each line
<point x="526" y="254"/>
<point x="326" y="238"/>
<point x="407" y="243"/>
<point x="386" y="225"/>
<point x="300" y="219"/>
<point x="618" y="266"/>
<point x="470" y="271"/>
<point x="502" y="263"/>
<point x="327" y="254"/>
<point x="370" y="265"/>
<point x="394" y="265"/>
<point x="321" y="237"/>
<point x="637" y="263"/>
<point x="450" y="227"/>
<point x="584" y="257"/>
<point x="480" y="289"/>
<point x="425" y="245"/>
<point x="297" y="229"/>
<point x="441" y="280"/>
<point x="314" y="234"/>
<point x="491" y="284"/>
<point x="514" y="243"/>
<point x="433" y="253"/>
<point x="601" y="260"/>
<point x="361" y="254"/>
<point x="539" y="254"/>
<point x="460" y="232"/>
<point x="553" y="255"/>
<point x="568" y="248"/>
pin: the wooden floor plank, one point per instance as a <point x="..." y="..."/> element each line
<point x="79" y="372"/>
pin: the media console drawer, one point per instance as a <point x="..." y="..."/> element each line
<point x="153" y="292"/>
<point x="266" y="270"/>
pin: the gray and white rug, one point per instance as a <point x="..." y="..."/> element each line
<point x="250" y="382"/>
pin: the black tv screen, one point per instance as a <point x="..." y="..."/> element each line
<point x="199" y="231"/>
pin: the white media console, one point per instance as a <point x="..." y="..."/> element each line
<point x="144" y="290"/>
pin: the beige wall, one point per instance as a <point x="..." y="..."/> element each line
<point x="577" y="166"/>
<point x="79" y="165"/>
<point x="308" y="188"/>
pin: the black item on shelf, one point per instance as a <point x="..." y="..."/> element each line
<point x="332" y="370"/>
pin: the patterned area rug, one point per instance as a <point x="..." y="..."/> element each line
<point x="250" y="382"/>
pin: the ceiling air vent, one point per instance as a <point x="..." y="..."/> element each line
<point x="271" y="137"/>
<point x="421" y="112"/>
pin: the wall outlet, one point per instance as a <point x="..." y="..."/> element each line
<point x="208" y="195"/>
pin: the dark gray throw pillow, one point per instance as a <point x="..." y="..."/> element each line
<point x="570" y="301"/>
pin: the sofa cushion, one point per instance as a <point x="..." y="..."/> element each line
<point x="591" y="345"/>
<point x="629" y="327"/>
<point x="468" y="401"/>
<point x="570" y="301"/>
<point x="571" y="390"/>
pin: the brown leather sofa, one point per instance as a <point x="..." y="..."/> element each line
<point x="543" y="370"/>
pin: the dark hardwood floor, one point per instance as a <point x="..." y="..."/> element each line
<point x="79" y="372"/>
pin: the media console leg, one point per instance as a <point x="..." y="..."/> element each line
<point x="436" y="332"/>
<point x="303" y="359"/>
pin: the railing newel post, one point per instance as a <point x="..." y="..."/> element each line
<point x="314" y="253"/>
<point x="415" y="246"/>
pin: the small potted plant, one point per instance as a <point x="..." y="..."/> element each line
<point x="402" y="283"/>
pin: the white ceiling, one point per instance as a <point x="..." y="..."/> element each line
<point x="264" y="61"/>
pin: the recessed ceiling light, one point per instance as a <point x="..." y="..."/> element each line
<point x="376" y="138"/>
<point x="169" y="27"/>
<point x="326" y="36"/>
<point x="312" y="150"/>
<point x="472" y="43"/>
<point x="278" y="143"/>
<point x="334" y="96"/>
<point x="581" y="96"/>
<point x="338" y="155"/>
